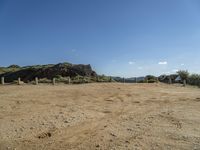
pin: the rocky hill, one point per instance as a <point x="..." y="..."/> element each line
<point x="28" y="73"/>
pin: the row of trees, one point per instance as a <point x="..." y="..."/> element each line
<point x="185" y="78"/>
<point x="192" y="79"/>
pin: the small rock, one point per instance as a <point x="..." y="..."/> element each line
<point x="97" y="145"/>
<point x="127" y="142"/>
<point x="113" y="134"/>
<point x="129" y="129"/>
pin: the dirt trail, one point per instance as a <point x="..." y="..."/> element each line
<point x="99" y="116"/>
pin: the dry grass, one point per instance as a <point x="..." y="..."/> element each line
<point x="99" y="116"/>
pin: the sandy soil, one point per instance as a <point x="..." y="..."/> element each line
<point x="99" y="116"/>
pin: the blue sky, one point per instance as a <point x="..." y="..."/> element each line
<point x="117" y="37"/>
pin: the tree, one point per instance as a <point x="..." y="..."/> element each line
<point x="194" y="79"/>
<point x="151" y="79"/>
<point x="184" y="74"/>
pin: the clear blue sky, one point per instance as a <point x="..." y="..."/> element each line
<point x="117" y="37"/>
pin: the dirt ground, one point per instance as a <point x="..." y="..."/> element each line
<point x="100" y="116"/>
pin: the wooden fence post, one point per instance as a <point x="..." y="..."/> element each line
<point x="135" y="79"/>
<point x="69" y="80"/>
<point x="83" y="80"/>
<point x="184" y="83"/>
<point x="170" y="80"/>
<point x="157" y="80"/>
<point x="19" y="81"/>
<point x="54" y="81"/>
<point x="2" y="81"/>
<point x="36" y="80"/>
<point x="97" y="79"/>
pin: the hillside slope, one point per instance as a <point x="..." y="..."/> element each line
<point x="50" y="71"/>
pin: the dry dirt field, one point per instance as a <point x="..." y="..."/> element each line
<point x="100" y="116"/>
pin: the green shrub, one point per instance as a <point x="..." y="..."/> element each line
<point x="152" y="81"/>
<point x="44" y="80"/>
<point x="61" y="79"/>
<point x="58" y="77"/>
<point x="103" y="78"/>
<point x="81" y="79"/>
<point x="150" y="77"/>
<point x="194" y="79"/>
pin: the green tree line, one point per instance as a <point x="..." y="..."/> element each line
<point x="192" y="79"/>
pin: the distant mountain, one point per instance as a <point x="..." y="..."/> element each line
<point x="28" y="73"/>
<point x="129" y="80"/>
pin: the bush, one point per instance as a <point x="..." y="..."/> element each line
<point x="150" y="77"/>
<point x="13" y="66"/>
<point x="152" y="81"/>
<point x="58" y="77"/>
<point x="103" y="78"/>
<point x="194" y="79"/>
<point x="44" y="80"/>
<point x="81" y="79"/>
<point x="61" y="79"/>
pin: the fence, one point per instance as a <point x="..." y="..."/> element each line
<point x="54" y="81"/>
<point x="36" y="82"/>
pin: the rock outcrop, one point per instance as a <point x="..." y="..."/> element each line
<point x="29" y="73"/>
